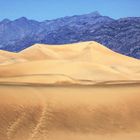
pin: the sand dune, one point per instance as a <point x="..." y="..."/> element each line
<point x="77" y="92"/>
<point x="88" y="61"/>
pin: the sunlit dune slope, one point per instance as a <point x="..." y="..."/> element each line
<point x="84" y="51"/>
<point x="78" y="63"/>
<point x="10" y="58"/>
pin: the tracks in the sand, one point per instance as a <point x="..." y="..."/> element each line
<point x="40" y="129"/>
<point x="13" y="128"/>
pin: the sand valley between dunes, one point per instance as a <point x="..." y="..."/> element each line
<point x="76" y="92"/>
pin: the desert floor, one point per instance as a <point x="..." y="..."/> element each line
<point x="101" y="112"/>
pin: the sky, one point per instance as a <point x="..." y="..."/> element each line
<point x="51" y="9"/>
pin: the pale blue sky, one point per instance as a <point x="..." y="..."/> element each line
<point x="51" y="9"/>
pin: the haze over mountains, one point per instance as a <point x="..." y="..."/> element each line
<point x="122" y="35"/>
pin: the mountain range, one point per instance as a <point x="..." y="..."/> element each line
<point x="120" y="35"/>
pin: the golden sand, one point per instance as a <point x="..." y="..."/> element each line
<point x="76" y="92"/>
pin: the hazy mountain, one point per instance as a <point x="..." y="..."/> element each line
<point x="122" y="35"/>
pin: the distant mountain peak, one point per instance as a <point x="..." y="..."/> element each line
<point x="94" y="14"/>
<point x="22" y="19"/>
<point x="4" y="21"/>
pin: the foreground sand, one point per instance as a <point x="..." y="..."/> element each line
<point x="70" y="112"/>
<point x="69" y="92"/>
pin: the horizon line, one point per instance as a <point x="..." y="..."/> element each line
<point x="95" y="12"/>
